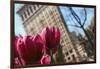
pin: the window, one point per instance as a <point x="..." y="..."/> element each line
<point x="38" y="5"/>
<point x="25" y="15"/>
<point x="67" y="53"/>
<point x="73" y="56"/>
<point x="68" y="58"/>
<point x="28" y="12"/>
<point x="69" y="46"/>
<point x="31" y="29"/>
<point x="34" y="7"/>
<point x="31" y="9"/>
<point x="71" y="51"/>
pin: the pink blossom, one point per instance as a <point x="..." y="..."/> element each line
<point x="51" y="37"/>
<point x="30" y="49"/>
<point x="46" y="59"/>
<point x="19" y="61"/>
<point x="15" y="45"/>
<point x="35" y="49"/>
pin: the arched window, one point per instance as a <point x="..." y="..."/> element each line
<point x="31" y="9"/>
<point x="34" y="7"/>
<point x="28" y="12"/>
<point x="25" y="15"/>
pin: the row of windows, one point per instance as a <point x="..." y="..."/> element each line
<point x="38" y="22"/>
<point x="29" y="10"/>
<point x="44" y="15"/>
<point x="70" y="56"/>
<point x="70" y="51"/>
<point x="41" y="19"/>
<point x="35" y="29"/>
<point x="39" y="15"/>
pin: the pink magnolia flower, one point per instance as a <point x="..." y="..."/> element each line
<point x="46" y="59"/>
<point x="30" y="49"/>
<point x="15" y="45"/>
<point x="19" y="61"/>
<point x="51" y="37"/>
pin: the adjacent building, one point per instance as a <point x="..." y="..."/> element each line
<point x="79" y="46"/>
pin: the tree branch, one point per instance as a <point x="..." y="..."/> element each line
<point x="75" y="15"/>
<point x="85" y="17"/>
<point x="74" y="26"/>
<point x="73" y="20"/>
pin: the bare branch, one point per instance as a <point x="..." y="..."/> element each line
<point x="85" y="17"/>
<point x="74" y="25"/>
<point x="75" y="15"/>
<point x="73" y="20"/>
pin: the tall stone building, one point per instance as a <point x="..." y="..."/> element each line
<point x="35" y="17"/>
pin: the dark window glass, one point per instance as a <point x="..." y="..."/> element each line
<point x="71" y="51"/>
<point x="38" y="5"/>
<point x="74" y="59"/>
<point x="68" y="58"/>
<point x="31" y="9"/>
<point x="28" y="12"/>
<point x="66" y="53"/>
<point x="31" y="30"/>
<point x="34" y="7"/>
<point x="25" y="15"/>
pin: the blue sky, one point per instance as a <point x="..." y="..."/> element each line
<point x="66" y="13"/>
<point x="19" y="30"/>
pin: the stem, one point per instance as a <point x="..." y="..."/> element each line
<point x="52" y="60"/>
<point x="60" y="55"/>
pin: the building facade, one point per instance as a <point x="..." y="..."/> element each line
<point x="36" y="17"/>
<point x="79" y="46"/>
